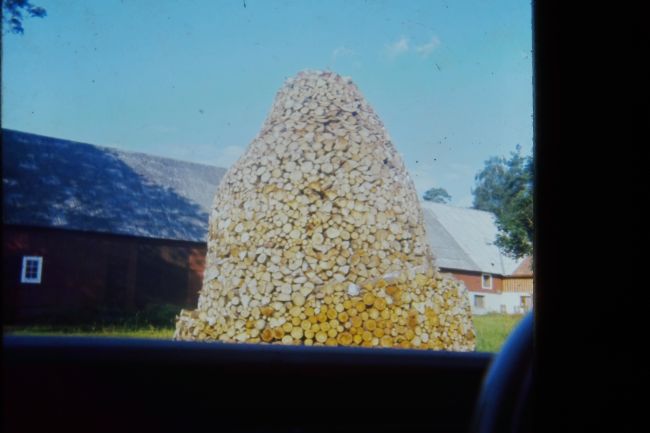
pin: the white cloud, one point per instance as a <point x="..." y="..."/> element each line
<point x="229" y="155"/>
<point x="346" y="55"/>
<point x="426" y="49"/>
<point x="396" y="48"/>
<point x="341" y="51"/>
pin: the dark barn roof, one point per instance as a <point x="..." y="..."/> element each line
<point x="49" y="182"/>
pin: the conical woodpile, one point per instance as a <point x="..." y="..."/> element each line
<point x="317" y="236"/>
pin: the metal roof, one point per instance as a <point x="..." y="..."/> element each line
<point x="463" y="239"/>
<point x="52" y="182"/>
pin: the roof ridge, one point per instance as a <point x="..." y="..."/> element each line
<point x="50" y="139"/>
<point x="81" y="186"/>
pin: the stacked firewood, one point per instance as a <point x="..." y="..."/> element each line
<point x="317" y="236"/>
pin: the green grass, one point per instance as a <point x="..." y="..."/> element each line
<point x="491" y="331"/>
<point x="98" y="331"/>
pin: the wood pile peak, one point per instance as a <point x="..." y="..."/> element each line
<point x="317" y="236"/>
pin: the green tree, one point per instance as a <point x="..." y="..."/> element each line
<point x="437" y="195"/>
<point x="12" y="14"/>
<point x="505" y="188"/>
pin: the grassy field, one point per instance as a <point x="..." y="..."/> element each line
<point x="491" y="331"/>
<point x="106" y="331"/>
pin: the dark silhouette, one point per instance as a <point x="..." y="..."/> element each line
<point x="12" y="14"/>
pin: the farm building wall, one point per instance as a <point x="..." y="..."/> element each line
<point x="506" y="303"/>
<point x="509" y="295"/>
<point x="83" y="272"/>
<point x="473" y="280"/>
<point x="518" y="284"/>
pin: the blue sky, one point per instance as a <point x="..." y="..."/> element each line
<point x="194" y="80"/>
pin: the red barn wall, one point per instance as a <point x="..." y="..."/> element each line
<point x="473" y="280"/>
<point x="84" y="270"/>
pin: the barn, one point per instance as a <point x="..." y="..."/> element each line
<point x="91" y="231"/>
<point x="463" y="240"/>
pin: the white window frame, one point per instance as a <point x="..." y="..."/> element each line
<point x="476" y="298"/>
<point x="483" y="286"/>
<point x="39" y="270"/>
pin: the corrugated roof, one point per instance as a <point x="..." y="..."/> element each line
<point x="463" y="239"/>
<point x="52" y="182"/>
